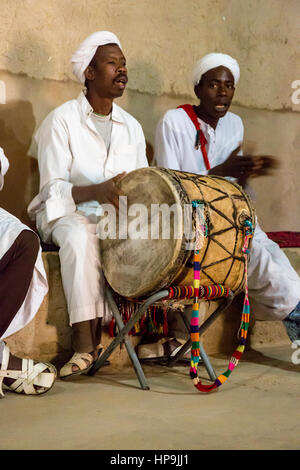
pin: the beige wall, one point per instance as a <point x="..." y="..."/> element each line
<point x="161" y="39"/>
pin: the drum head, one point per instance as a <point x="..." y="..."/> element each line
<point x="141" y="257"/>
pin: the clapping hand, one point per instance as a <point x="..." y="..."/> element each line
<point x="245" y="166"/>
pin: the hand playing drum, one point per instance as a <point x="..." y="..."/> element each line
<point x="246" y="166"/>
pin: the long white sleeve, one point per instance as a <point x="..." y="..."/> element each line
<point x="55" y="160"/>
<point x="167" y="152"/>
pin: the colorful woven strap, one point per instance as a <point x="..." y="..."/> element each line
<point x="195" y="337"/>
<point x="214" y="291"/>
<point x="200" y="137"/>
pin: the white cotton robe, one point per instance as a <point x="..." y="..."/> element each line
<point x="10" y="228"/>
<point x="71" y="152"/>
<point x="274" y="286"/>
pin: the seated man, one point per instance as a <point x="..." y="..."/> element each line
<point x="83" y="147"/>
<point x="23" y="285"/>
<point x="274" y="286"/>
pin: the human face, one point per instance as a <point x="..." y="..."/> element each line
<point x="215" y="92"/>
<point x="107" y="72"/>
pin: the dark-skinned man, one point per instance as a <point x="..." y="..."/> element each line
<point x="83" y="147"/>
<point x="274" y="286"/>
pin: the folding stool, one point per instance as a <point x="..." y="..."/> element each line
<point x="125" y="329"/>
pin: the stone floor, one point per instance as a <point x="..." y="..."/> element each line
<point x="257" y="408"/>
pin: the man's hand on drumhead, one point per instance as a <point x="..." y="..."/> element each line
<point x="108" y="192"/>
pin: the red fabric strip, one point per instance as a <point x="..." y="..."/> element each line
<point x="189" y="109"/>
<point x="285" y="239"/>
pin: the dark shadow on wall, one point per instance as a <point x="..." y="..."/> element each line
<point x="17" y="124"/>
<point x="149" y="152"/>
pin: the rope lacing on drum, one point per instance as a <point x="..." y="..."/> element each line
<point x="195" y="337"/>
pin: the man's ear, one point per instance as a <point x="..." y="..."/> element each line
<point x="89" y="72"/>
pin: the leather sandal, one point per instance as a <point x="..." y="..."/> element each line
<point x="84" y="361"/>
<point x="35" y="378"/>
<point x="163" y="349"/>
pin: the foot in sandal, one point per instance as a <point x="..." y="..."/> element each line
<point x="80" y="363"/>
<point x="164" y="348"/>
<point x="25" y="376"/>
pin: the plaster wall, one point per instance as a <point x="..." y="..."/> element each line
<point x="161" y="40"/>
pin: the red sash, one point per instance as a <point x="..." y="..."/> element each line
<point x="200" y="137"/>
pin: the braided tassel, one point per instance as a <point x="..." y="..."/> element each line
<point x="243" y="329"/>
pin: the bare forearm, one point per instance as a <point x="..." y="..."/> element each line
<point x="106" y="192"/>
<point x="84" y="193"/>
<point x="217" y="171"/>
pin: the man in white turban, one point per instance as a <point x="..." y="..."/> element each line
<point x="87" y="50"/>
<point x="207" y="139"/>
<point x="212" y="61"/>
<point x="83" y="148"/>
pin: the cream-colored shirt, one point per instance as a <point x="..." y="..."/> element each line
<point x="70" y="152"/>
<point x="103" y="125"/>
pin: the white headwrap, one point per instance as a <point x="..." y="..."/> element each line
<point x="213" y="60"/>
<point x="87" y="49"/>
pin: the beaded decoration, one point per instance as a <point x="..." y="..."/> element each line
<point x="153" y="321"/>
<point x="215" y="291"/>
<point x="195" y="337"/>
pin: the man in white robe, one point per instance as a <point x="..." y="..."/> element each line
<point x="274" y="286"/>
<point x="23" y="285"/>
<point x="83" y="147"/>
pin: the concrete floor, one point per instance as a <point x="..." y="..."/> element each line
<point x="258" y="408"/>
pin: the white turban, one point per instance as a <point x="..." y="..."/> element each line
<point x="87" y="49"/>
<point x="213" y="60"/>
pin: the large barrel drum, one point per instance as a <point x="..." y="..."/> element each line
<point x="153" y="244"/>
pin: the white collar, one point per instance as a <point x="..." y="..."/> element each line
<point x="87" y="109"/>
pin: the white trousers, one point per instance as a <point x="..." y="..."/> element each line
<point x="274" y="286"/>
<point x="81" y="273"/>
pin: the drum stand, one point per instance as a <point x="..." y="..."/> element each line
<point x="125" y="329"/>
